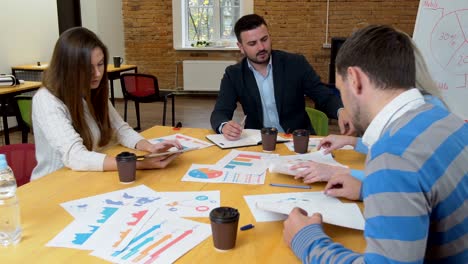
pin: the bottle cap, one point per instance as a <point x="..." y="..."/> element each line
<point x="3" y="162"/>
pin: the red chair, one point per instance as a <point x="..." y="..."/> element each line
<point x="22" y="159"/>
<point x="144" y="88"/>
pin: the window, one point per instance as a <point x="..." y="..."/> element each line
<point x="207" y="24"/>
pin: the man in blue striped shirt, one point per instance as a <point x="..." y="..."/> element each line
<point x="416" y="185"/>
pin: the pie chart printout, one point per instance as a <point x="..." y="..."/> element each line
<point x="205" y="173"/>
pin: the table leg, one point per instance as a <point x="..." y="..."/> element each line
<point x="3" y="109"/>
<point x="112" y="91"/>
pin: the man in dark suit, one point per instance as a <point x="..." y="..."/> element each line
<point x="270" y="85"/>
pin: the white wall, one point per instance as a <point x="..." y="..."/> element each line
<point x="30" y="29"/>
<point x="28" y="33"/>
<point x="104" y="17"/>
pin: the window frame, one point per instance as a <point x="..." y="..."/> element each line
<point x="179" y="22"/>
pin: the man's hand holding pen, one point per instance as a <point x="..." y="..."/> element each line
<point x="232" y="130"/>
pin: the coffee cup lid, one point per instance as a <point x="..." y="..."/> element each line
<point x="224" y="215"/>
<point x="126" y="156"/>
<point x="301" y="132"/>
<point x="269" y="130"/>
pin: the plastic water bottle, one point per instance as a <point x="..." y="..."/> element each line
<point x="10" y="226"/>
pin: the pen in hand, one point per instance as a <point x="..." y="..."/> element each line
<point x="242" y="123"/>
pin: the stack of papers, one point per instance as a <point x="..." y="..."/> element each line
<point x="137" y="225"/>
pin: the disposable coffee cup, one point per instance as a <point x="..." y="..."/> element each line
<point x="117" y="61"/>
<point x="269" y="135"/>
<point x="126" y="165"/>
<point x="224" y="222"/>
<point x="301" y="140"/>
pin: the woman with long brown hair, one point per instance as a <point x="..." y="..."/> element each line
<point x="72" y="116"/>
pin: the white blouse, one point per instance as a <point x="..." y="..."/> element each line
<point x="57" y="142"/>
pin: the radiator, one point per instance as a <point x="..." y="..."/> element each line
<point x="204" y="75"/>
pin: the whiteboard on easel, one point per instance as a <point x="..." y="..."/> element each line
<point x="441" y="33"/>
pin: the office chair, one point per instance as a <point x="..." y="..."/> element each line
<point x="22" y="159"/>
<point x="144" y="88"/>
<point x="319" y="121"/>
<point x="25" y="107"/>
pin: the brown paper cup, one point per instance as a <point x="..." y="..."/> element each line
<point x="269" y="135"/>
<point x="224" y="222"/>
<point x="126" y="165"/>
<point x="301" y="140"/>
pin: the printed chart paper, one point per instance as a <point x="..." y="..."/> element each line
<point x="185" y="141"/>
<point x="243" y="162"/>
<point x="138" y="196"/>
<point x="138" y="224"/>
<point x="283" y="164"/>
<point x="269" y="216"/>
<point x="115" y="226"/>
<point x="341" y="214"/>
<point x="190" y="204"/>
<point x="205" y="173"/>
<point x="162" y="240"/>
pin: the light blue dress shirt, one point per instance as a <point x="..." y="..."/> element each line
<point x="267" y="95"/>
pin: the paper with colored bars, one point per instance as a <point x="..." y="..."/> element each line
<point x="116" y="221"/>
<point x="243" y="162"/>
<point x="185" y="141"/>
<point x="117" y="226"/>
<point x="138" y="196"/>
<point x="162" y="240"/>
<point x="205" y="173"/>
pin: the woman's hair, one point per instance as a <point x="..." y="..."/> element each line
<point x="424" y="81"/>
<point x="69" y="76"/>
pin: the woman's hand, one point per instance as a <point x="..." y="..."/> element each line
<point x="161" y="161"/>
<point x="163" y="146"/>
<point x="156" y="162"/>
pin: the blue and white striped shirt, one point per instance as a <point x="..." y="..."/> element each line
<point x="415" y="196"/>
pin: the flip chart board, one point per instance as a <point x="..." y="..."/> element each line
<point x="441" y="32"/>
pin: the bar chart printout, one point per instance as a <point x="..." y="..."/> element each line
<point x="162" y="240"/>
<point x="244" y="162"/>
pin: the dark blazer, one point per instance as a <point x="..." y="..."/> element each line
<point x="293" y="77"/>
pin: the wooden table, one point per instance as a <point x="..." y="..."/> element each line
<point x="7" y="93"/>
<point x="43" y="217"/>
<point x="113" y="73"/>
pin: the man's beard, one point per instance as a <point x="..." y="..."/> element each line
<point x="254" y="58"/>
<point x="357" y="120"/>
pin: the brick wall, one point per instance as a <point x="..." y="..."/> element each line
<point x="295" y="26"/>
